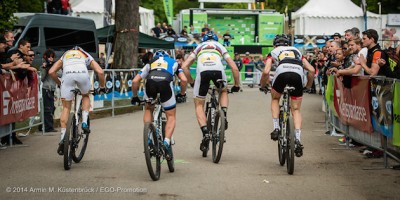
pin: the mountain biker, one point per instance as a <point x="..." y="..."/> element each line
<point x="74" y="64"/>
<point x="209" y="68"/>
<point x="159" y="79"/>
<point x="290" y="71"/>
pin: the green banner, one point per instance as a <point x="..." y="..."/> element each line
<point x="169" y="10"/>
<point x="396" y="114"/>
<point x="269" y="25"/>
<point x="199" y="19"/>
<point x="329" y="94"/>
<point x="240" y="27"/>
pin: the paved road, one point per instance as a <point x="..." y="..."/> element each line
<point x="114" y="165"/>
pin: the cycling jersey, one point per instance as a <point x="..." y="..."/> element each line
<point x="209" y="56"/>
<point x="75" y="72"/>
<point x="159" y="76"/>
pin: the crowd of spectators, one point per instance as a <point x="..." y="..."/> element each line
<point x="58" y="7"/>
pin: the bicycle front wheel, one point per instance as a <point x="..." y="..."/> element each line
<point x="281" y="142"/>
<point x="290" y="145"/>
<point x="218" y="136"/>
<point x="81" y="140"/>
<point x="152" y="151"/>
<point x="68" y="142"/>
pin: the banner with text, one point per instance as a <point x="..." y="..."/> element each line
<point x="396" y="114"/>
<point x="353" y="105"/>
<point x="18" y="98"/>
<point x="169" y="10"/>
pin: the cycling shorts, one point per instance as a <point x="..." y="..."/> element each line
<point x="165" y="89"/>
<point x="72" y="77"/>
<point x="203" y="79"/>
<point x="289" y="78"/>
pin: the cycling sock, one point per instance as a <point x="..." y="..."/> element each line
<point x="276" y="123"/>
<point x="167" y="140"/>
<point x="204" y="129"/>
<point x="63" y="130"/>
<point x="85" y="115"/>
<point x="298" y="133"/>
<point x="225" y="109"/>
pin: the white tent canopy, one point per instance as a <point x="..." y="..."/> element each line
<point x="326" y="17"/>
<point x="95" y="10"/>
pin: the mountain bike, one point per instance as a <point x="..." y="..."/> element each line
<point x="215" y="122"/>
<point x="75" y="139"/>
<point x="286" y="140"/>
<point x="153" y="139"/>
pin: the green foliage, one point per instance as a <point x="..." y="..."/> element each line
<point x="31" y="6"/>
<point x="158" y="7"/>
<point x="7" y="20"/>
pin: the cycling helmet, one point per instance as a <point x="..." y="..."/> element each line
<point x="160" y="53"/>
<point x="210" y="36"/>
<point x="281" y="40"/>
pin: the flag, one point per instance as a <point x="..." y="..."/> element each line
<point x="169" y="10"/>
<point x="396" y="114"/>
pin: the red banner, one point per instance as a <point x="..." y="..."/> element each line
<point x="353" y="105"/>
<point x="18" y="98"/>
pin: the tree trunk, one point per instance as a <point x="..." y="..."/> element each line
<point x="127" y="33"/>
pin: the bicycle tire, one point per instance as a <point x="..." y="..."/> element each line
<point x="67" y="140"/>
<point x="281" y="142"/>
<point x="209" y="126"/>
<point x="290" y="146"/>
<point x="170" y="163"/>
<point x="152" y="151"/>
<point x="78" y="136"/>
<point x="218" y="136"/>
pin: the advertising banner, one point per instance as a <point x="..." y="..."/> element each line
<point x="396" y="114"/>
<point x="169" y="10"/>
<point x="329" y="94"/>
<point x="122" y="85"/>
<point x="353" y="105"/>
<point x="268" y="27"/>
<point x="18" y="98"/>
<point x="240" y="27"/>
<point x="382" y="96"/>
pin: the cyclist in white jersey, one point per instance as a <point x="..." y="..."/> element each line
<point x="209" y="68"/>
<point x="290" y="71"/>
<point x="74" y="64"/>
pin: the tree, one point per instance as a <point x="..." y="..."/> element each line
<point x="31" y="6"/>
<point x="7" y="20"/>
<point x="127" y="34"/>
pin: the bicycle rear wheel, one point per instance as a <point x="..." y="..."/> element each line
<point x="290" y="146"/>
<point x="218" y="136"/>
<point x="152" y="151"/>
<point x="281" y="142"/>
<point x="81" y="140"/>
<point x="67" y="140"/>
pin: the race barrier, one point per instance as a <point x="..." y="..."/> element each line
<point x="365" y="109"/>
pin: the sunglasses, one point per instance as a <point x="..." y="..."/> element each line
<point x="31" y="55"/>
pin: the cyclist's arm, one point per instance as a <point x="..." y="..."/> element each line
<point x="183" y="83"/>
<point x="265" y="75"/>
<point x="53" y="71"/>
<point x="235" y="70"/>
<point x="310" y="74"/>
<point x="186" y="68"/>
<point x="136" y="84"/>
<point x="100" y="73"/>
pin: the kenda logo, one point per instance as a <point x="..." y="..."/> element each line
<point x="22" y="105"/>
<point x="6" y="99"/>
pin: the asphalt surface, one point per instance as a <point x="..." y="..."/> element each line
<point x="114" y="164"/>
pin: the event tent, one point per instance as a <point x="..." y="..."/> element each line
<point x="106" y="35"/>
<point x="95" y="10"/>
<point x="326" y="17"/>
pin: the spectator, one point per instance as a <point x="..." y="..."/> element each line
<point x="9" y="35"/>
<point x="147" y="57"/>
<point x="170" y="31"/>
<point x="227" y="38"/>
<point x="370" y="65"/>
<point x="238" y="61"/>
<point x="260" y="63"/>
<point x="246" y="59"/>
<point x="205" y="29"/>
<point x="65" y="7"/>
<point x="102" y="60"/>
<point x="164" y="27"/>
<point x="156" y="31"/>
<point x="48" y="88"/>
<point x="337" y="37"/>
<point x="192" y="30"/>
<point x="57" y="7"/>
<point x="184" y="32"/>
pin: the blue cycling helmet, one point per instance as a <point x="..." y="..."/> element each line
<point x="281" y="40"/>
<point x="160" y="53"/>
<point x="210" y="36"/>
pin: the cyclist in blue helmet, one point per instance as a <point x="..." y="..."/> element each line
<point x="210" y="36"/>
<point x="159" y="73"/>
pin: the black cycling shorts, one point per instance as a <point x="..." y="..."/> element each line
<point x="203" y="82"/>
<point x="289" y="78"/>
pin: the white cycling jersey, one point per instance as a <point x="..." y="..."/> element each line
<point x="287" y="59"/>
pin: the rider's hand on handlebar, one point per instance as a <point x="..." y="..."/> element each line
<point x="264" y="89"/>
<point x="101" y="90"/>
<point x="135" y="101"/>
<point x="235" y="89"/>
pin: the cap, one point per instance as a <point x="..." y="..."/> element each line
<point x="247" y="53"/>
<point x="236" y="53"/>
<point x="2" y="39"/>
<point x="336" y="34"/>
